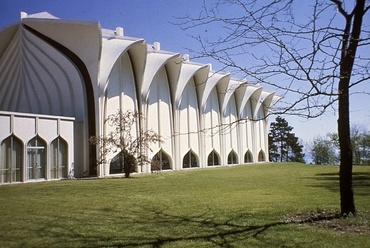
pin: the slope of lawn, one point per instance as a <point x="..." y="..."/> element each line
<point x="241" y="206"/>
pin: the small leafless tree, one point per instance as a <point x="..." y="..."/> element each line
<point x="314" y="53"/>
<point x="130" y="146"/>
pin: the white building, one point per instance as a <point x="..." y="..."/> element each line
<point x="60" y="79"/>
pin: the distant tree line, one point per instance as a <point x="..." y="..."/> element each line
<point x="325" y="149"/>
<point x="284" y="146"/>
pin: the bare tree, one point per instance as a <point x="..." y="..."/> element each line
<point x="131" y="147"/>
<point x="314" y="53"/>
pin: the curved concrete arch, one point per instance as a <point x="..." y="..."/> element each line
<point x="230" y="130"/>
<point x="121" y="91"/>
<point x="158" y="112"/>
<point x="160" y="77"/>
<point x="120" y="78"/>
<point x="112" y="50"/>
<point x="253" y="100"/>
<point x="63" y="98"/>
<point x="7" y="35"/>
<point x="231" y="88"/>
<point x="192" y="79"/>
<point x="211" y="119"/>
<point x="213" y="79"/>
<point x="274" y="100"/>
<point x="261" y="128"/>
<point x="250" y="90"/>
<point x="38" y="78"/>
<point x="187" y="119"/>
<point x="239" y="93"/>
<point x="188" y="71"/>
<point x="88" y="45"/>
<point x="263" y="102"/>
<point x="247" y="123"/>
<point x="89" y="94"/>
<point x="156" y="60"/>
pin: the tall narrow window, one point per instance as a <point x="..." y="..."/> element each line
<point x="36" y="158"/>
<point x="248" y="157"/>
<point x="213" y="159"/>
<point x="232" y="158"/>
<point x="190" y="160"/>
<point x="59" y="159"/>
<point x="11" y="160"/>
<point x="261" y="157"/>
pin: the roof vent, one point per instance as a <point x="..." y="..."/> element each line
<point x="119" y="31"/>
<point x="186" y="58"/>
<point x="23" y="15"/>
<point x="157" y="45"/>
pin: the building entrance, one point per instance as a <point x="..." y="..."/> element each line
<point x="36" y="159"/>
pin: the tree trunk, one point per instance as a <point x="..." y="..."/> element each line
<point x="347" y="203"/>
<point x="348" y="54"/>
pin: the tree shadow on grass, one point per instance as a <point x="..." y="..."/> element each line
<point x="153" y="226"/>
<point x="150" y="228"/>
<point x="201" y="228"/>
<point x="208" y="229"/>
<point x="361" y="182"/>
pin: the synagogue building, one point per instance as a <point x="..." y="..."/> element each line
<point x="60" y="80"/>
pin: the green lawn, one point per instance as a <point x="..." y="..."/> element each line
<point x="241" y="206"/>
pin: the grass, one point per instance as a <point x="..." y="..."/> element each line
<point x="241" y="206"/>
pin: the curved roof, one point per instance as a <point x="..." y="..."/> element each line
<point x="264" y="102"/>
<point x="86" y="45"/>
<point x="249" y="92"/>
<point x="188" y="70"/>
<point x="112" y="50"/>
<point x="213" y="79"/>
<point x="231" y="87"/>
<point x="36" y="77"/>
<point x="155" y="61"/>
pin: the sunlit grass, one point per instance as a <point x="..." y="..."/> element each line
<point x="230" y="206"/>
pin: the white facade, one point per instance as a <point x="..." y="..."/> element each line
<point x="35" y="147"/>
<point x="75" y="72"/>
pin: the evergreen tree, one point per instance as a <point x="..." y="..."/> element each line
<point x="283" y="144"/>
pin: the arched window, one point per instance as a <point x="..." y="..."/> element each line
<point x="11" y="160"/>
<point x="36" y="158"/>
<point x="248" y="157"/>
<point x="122" y="159"/>
<point x="261" y="157"/>
<point x="116" y="166"/>
<point x="160" y="161"/>
<point x="59" y="158"/>
<point x="232" y="158"/>
<point x="213" y="159"/>
<point x="190" y="160"/>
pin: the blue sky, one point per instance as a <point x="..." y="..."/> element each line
<point x="146" y="19"/>
<point x="152" y="20"/>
